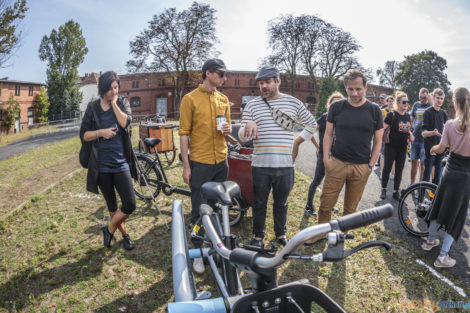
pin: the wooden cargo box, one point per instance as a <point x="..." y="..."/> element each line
<point x="163" y="131"/>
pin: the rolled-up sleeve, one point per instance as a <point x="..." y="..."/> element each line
<point x="185" y="116"/>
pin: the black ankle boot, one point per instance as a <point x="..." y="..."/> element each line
<point x="107" y="237"/>
<point x="127" y="243"/>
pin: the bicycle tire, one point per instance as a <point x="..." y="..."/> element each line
<point x="150" y="171"/>
<point x="414" y="203"/>
<point x="236" y="212"/>
<point x="170" y="156"/>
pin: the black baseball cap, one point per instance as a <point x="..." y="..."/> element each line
<point x="267" y="72"/>
<point x="214" y="64"/>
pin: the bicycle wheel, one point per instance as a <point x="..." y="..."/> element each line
<point x="236" y="212"/>
<point x="148" y="170"/>
<point x="170" y="156"/>
<point x="415" y="202"/>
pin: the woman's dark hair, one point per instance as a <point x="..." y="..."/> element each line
<point x="105" y="81"/>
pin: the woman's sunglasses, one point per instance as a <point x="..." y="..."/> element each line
<point x="405" y="102"/>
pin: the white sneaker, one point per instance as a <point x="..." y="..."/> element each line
<point x="392" y="176"/>
<point x="198" y="266"/>
<point x="446" y="262"/>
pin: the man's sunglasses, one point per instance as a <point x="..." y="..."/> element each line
<point x="405" y="102"/>
<point x="220" y="73"/>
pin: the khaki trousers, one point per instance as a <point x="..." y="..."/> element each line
<point x="338" y="173"/>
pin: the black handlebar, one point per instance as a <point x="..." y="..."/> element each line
<point x="363" y="218"/>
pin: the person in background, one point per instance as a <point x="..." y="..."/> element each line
<point x="106" y="122"/>
<point x="417" y="153"/>
<point x="399" y="122"/>
<point x="433" y="123"/>
<point x="389" y="101"/>
<point x="450" y="204"/>
<point x="200" y="136"/>
<point x="320" y="167"/>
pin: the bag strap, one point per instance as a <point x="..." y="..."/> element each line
<point x="266" y="101"/>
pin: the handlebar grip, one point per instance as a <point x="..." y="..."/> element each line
<point x="205" y="209"/>
<point x="364" y="218"/>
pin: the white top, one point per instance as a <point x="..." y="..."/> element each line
<point x="273" y="148"/>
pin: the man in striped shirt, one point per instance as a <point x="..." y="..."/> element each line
<point x="272" y="166"/>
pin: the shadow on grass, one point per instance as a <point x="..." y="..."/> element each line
<point x="31" y="283"/>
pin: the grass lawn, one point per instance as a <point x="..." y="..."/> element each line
<point x="52" y="258"/>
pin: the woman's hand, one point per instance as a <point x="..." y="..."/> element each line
<point x="107" y="133"/>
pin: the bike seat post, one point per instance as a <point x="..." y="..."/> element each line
<point x="225" y="220"/>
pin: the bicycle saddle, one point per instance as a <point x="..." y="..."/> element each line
<point x="223" y="192"/>
<point x="151" y="142"/>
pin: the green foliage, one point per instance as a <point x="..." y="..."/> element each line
<point x="41" y="104"/>
<point x="10" y="17"/>
<point x="424" y="69"/>
<point x="328" y="85"/>
<point x="12" y="111"/>
<point x="64" y="50"/>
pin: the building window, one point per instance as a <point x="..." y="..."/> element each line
<point x="135" y="84"/>
<point x="161" y="82"/>
<point x="251" y="81"/>
<point x="135" y="102"/>
<point x="30" y="93"/>
<point x="311" y="100"/>
<point x="17" y="90"/>
<point x="30" y="112"/>
<point x="1" y="115"/>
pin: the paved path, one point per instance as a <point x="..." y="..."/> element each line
<point x="460" y="251"/>
<point x="36" y="142"/>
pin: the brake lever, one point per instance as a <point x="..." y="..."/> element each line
<point x="337" y="252"/>
<point x="272" y="250"/>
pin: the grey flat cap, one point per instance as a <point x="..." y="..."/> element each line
<point x="267" y="72"/>
<point x="383" y="96"/>
<point x="214" y="64"/>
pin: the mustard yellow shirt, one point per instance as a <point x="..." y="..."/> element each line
<point x="198" y="112"/>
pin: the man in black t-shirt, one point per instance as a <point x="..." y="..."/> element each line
<point x="433" y="124"/>
<point x="354" y="123"/>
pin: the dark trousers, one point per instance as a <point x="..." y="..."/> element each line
<point x="281" y="180"/>
<point x="397" y="155"/>
<point x="123" y="183"/>
<point x="317" y="179"/>
<point x="202" y="173"/>
<point x="433" y="160"/>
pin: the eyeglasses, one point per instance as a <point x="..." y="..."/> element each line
<point x="220" y="73"/>
<point x="405" y="102"/>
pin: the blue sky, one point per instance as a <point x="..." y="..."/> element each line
<point x="387" y="30"/>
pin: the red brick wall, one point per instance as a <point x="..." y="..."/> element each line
<point x="24" y="99"/>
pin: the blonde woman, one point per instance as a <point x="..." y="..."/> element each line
<point x="320" y="167"/>
<point x="399" y="122"/>
<point x="451" y="201"/>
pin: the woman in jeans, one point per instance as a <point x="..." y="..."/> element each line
<point x="111" y="162"/>
<point x="450" y="204"/>
<point x="399" y="122"/>
<point x="320" y="167"/>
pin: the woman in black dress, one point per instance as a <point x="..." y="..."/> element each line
<point x="105" y="125"/>
<point x="453" y="193"/>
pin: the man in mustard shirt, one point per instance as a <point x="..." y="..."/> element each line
<point x="207" y="160"/>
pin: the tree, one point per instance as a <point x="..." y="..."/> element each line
<point x="64" y="50"/>
<point x="176" y="43"/>
<point x="337" y="52"/>
<point x="328" y="85"/>
<point x="387" y="75"/>
<point x="12" y="112"/>
<point x="41" y="105"/>
<point x="423" y="69"/>
<point x="10" y="18"/>
<point x="285" y="40"/>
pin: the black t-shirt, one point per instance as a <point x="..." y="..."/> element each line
<point x="112" y="158"/>
<point x="321" y="122"/>
<point x="433" y="119"/>
<point x="400" y="131"/>
<point x="354" y="128"/>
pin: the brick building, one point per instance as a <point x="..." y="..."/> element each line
<point x="152" y="93"/>
<point x="24" y="93"/>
